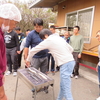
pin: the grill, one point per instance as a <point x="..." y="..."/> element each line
<point x="35" y="80"/>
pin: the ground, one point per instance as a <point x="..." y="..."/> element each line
<point x="82" y="88"/>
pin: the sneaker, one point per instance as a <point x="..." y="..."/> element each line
<point x="72" y="75"/>
<point x="98" y="98"/>
<point x="8" y="73"/>
<point x="14" y="73"/>
<point x="76" y="77"/>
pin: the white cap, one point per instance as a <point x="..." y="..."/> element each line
<point x="10" y="11"/>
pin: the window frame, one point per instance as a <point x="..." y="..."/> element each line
<point x="77" y="12"/>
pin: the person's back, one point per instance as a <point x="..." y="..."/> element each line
<point x="60" y="48"/>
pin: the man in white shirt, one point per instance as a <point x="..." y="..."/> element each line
<point x="62" y="53"/>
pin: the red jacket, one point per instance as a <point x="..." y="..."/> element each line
<point x="2" y="56"/>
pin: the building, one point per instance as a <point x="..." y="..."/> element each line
<point x="84" y="13"/>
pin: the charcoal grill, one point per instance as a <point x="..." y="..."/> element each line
<point x="35" y="80"/>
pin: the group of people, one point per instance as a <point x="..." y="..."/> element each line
<point x="41" y="41"/>
<point x="65" y="52"/>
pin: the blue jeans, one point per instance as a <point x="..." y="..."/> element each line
<point x="65" y="81"/>
<point x="99" y="73"/>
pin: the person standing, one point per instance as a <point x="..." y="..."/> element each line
<point x="52" y="29"/>
<point x="39" y="60"/>
<point x="76" y="41"/>
<point x="62" y="53"/>
<point x="67" y="36"/>
<point x="98" y="65"/>
<point x="8" y="20"/>
<point x="22" y="46"/>
<point x="23" y="43"/>
<point x="20" y="37"/>
<point x="12" y="47"/>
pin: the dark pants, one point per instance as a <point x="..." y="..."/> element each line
<point x="12" y="59"/>
<point x="76" y="67"/>
<point x="41" y="63"/>
<point x="19" y="59"/>
<point x="52" y="62"/>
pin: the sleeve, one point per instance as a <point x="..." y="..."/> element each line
<point x="17" y="42"/>
<point x="81" y="43"/>
<point x="41" y="46"/>
<point x="70" y="48"/>
<point x="23" y="44"/>
<point x="28" y="41"/>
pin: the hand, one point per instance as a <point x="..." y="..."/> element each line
<point x="27" y="63"/>
<point x="18" y="52"/>
<point x="79" y="55"/>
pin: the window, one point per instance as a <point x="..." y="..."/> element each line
<point x="84" y="19"/>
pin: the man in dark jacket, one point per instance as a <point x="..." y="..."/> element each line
<point x="20" y="37"/>
<point x="39" y="60"/>
<point x="8" y="20"/>
<point x="12" y="46"/>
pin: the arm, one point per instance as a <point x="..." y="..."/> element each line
<point x="81" y="43"/>
<point x="26" y="50"/>
<point x="27" y="44"/>
<point x="22" y="46"/>
<point x="41" y="46"/>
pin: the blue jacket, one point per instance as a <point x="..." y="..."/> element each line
<point x="34" y="39"/>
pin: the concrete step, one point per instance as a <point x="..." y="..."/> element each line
<point x="89" y="74"/>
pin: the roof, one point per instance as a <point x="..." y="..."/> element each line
<point x="44" y="3"/>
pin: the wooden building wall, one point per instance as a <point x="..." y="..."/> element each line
<point x="73" y="5"/>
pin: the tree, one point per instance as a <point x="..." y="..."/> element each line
<point x="28" y="15"/>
